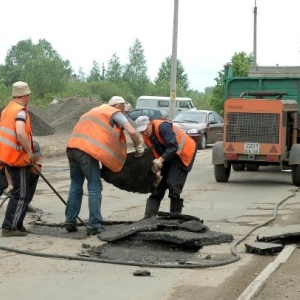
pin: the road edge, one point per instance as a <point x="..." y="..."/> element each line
<point x="257" y="284"/>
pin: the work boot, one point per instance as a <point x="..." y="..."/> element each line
<point x="176" y="206"/>
<point x="23" y="229"/>
<point x="13" y="232"/>
<point x="70" y="227"/>
<point x="152" y="207"/>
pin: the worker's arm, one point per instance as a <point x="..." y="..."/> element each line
<point x="134" y="135"/>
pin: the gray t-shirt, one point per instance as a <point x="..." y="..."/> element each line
<point x="118" y="119"/>
<point x="21" y="116"/>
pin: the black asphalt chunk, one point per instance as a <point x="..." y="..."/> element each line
<point x="119" y="231"/>
<point x="186" y="238"/>
<point x="280" y="233"/>
<point x="141" y="273"/>
<point x="194" y="226"/>
<point x="154" y="240"/>
<point x="169" y="215"/>
<point x="136" y="175"/>
<point x="263" y="248"/>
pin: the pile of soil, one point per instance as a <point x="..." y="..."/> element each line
<point x="60" y="117"/>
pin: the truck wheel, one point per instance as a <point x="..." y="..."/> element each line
<point x="238" y="167"/>
<point x="222" y="173"/>
<point x="250" y="167"/>
<point x="296" y="175"/>
<point x="203" y="142"/>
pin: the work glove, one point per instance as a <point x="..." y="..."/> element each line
<point x="8" y="189"/>
<point x="156" y="166"/>
<point x="139" y="150"/>
<point x="157" y="180"/>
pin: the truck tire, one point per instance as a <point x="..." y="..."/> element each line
<point x="238" y="167"/>
<point x="222" y="173"/>
<point x="253" y="168"/>
<point x="296" y="175"/>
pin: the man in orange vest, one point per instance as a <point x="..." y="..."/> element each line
<point x="17" y="155"/>
<point x="174" y="153"/>
<point x="97" y="137"/>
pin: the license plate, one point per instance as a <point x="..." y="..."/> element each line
<point x="251" y="148"/>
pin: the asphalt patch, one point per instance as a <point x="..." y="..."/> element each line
<point x="158" y="240"/>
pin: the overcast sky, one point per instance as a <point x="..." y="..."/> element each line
<point x="209" y="32"/>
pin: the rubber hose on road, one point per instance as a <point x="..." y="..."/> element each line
<point x="179" y="266"/>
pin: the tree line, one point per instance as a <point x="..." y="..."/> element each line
<point x="49" y="77"/>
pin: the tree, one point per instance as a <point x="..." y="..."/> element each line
<point x="95" y="73"/>
<point x="81" y="75"/>
<point x="240" y="63"/>
<point x="163" y="78"/>
<point x="39" y="65"/>
<point x="135" y="73"/>
<point x="114" y="70"/>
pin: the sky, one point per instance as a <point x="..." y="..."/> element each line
<point x="209" y="32"/>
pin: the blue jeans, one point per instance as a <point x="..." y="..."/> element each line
<point x="83" y="166"/>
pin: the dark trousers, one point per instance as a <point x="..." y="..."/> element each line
<point x="3" y="181"/>
<point x="24" y="185"/>
<point x="173" y="179"/>
<point x="174" y="174"/>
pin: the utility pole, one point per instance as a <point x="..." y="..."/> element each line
<point x="255" y="36"/>
<point x="174" y="63"/>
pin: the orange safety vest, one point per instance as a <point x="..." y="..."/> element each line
<point x="186" y="145"/>
<point x="94" y="135"/>
<point x="12" y="152"/>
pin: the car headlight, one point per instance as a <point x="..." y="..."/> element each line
<point x="193" y="130"/>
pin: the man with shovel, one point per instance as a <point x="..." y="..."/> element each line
<point x="17" y="155"/>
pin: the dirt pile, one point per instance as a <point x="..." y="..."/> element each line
<point x="61" y="117"/>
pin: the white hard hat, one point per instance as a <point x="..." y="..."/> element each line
<point x="116" y="100"/>
<point x="142" y="123"/>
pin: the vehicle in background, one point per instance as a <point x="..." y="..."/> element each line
<point x="182" y="103"/>
<point x="261" y="117"/>
<point x="152" y="113"/>
<point x="203" y="126"/>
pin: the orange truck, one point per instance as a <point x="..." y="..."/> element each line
<point x="260" y="126"/>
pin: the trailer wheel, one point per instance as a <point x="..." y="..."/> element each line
<point x="296" y="175"/>
<point x="238" y="167"/>
<point x="222" y="173"/>
<point x="250" y="167"/>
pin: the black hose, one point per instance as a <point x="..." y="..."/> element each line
<point x="179" y="266"/>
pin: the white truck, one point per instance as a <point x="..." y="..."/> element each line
<point x="182" y="103"/>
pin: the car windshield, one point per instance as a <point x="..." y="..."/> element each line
<point x="190" y="118"/>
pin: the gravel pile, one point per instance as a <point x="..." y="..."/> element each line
<point x="60" y="117"/>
